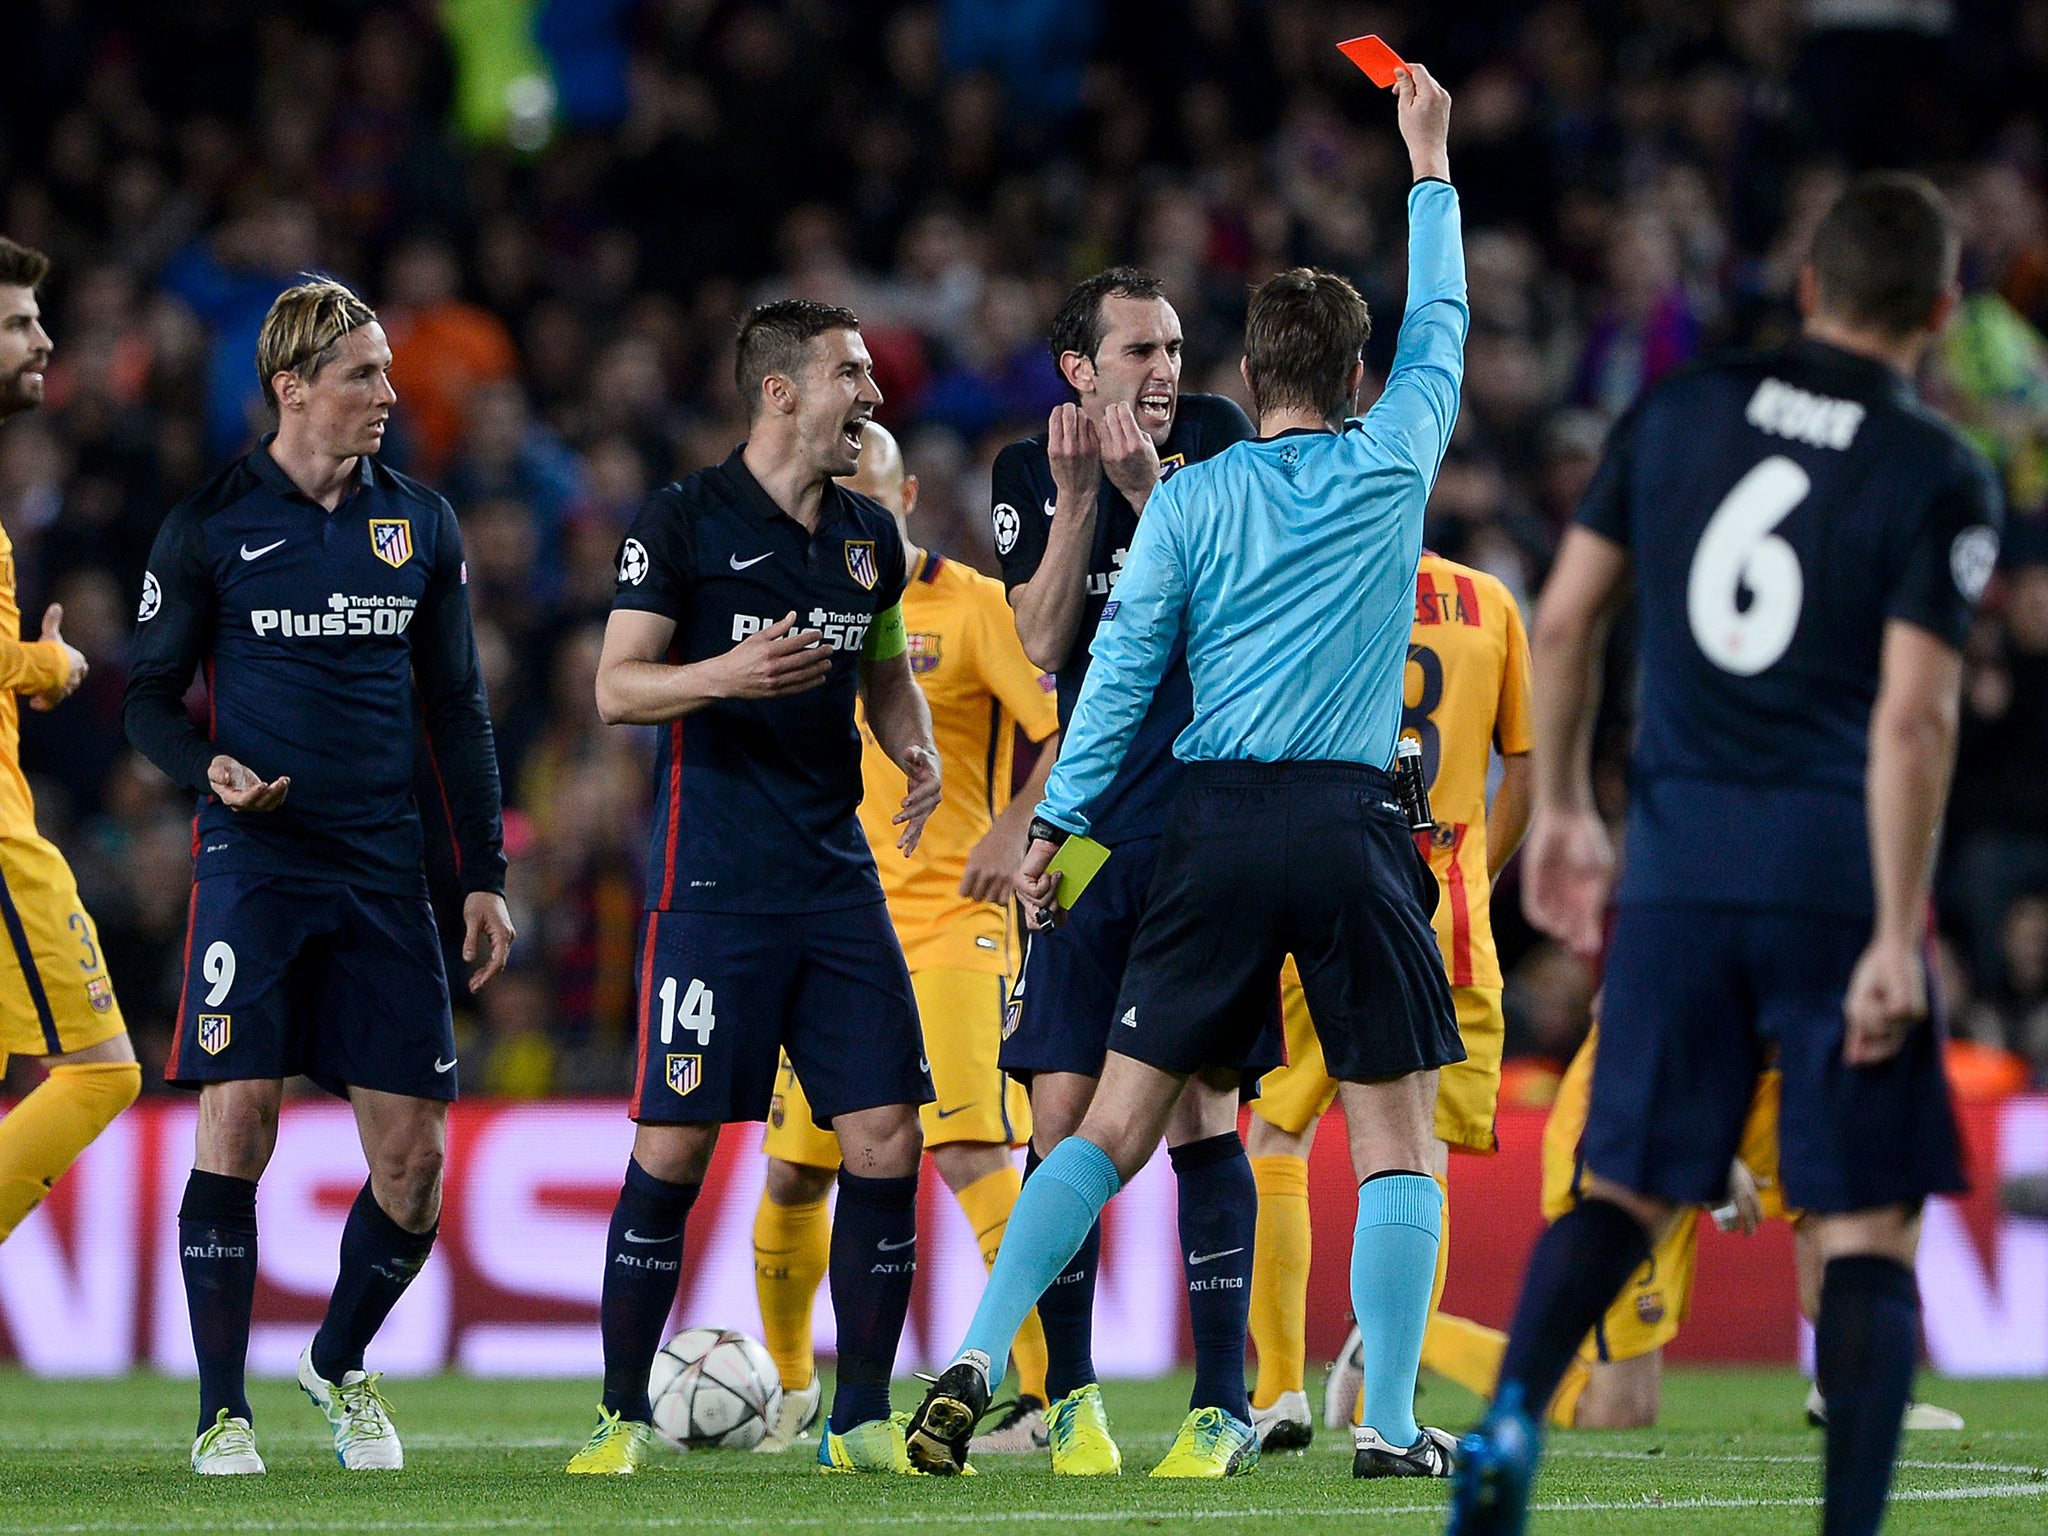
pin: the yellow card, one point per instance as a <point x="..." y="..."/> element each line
<point x="1079" y="860"/>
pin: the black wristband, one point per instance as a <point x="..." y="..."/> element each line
<point x="1043" y="831"/>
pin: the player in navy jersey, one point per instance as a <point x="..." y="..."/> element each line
<point x="755" y="601"/>
<point x="323" y="597"/>
<point x="1066" y="507"/>
<point x="1807" y="543"/>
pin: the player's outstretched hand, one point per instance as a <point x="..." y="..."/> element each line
<point x="775" y="661"/>
<point x="1423" y="109"/>
<point x="1567" y="876"/>
<point x="53" y="620"/>
<point x="484" y="917"/>
<point x="1129" y="456"/>
<point x="1036" y="886"/>
<point x="1887" y="999"/>
<point x="241" y="789"/>
<point x="1075" y="452"/>
<point x="1743" y="1210"/>
<point x="922" y="798"/>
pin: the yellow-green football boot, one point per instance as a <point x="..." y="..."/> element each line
<point x="1211" y="1443"/>
<point x="1079" y="1428"/>
<point x="617" y="1447"/>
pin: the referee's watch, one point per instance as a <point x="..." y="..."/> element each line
<point x="1043" y="831"/>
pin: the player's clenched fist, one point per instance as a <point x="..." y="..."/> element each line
<point x="241" y="788"/>
<point x="773" y="662"/>
<point x="1074" y="451"/>
<point x="1423" y="109"/>
<point x="53" y="619"/>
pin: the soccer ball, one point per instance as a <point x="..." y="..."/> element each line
<point x="713" y="1387"/>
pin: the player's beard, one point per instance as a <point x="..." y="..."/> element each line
<point x="17" y="393"/>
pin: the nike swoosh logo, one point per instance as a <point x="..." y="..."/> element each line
<point x="740" y="565"/>
<point x="947" y="1114"/>
<point x="635" y="1237"/>
<point x="445" y="1066"/>
<point x="907" y="1242"/>
<point x="1195" y="1259"/>
<point x="1048" y="506"/>
<point x="258" y="554"/>
<point x="924" y="1066"/>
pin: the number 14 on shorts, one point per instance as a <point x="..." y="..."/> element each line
<point x="695" y="1015"/>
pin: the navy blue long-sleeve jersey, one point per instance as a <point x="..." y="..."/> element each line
<point x="328" y="639"/>
<point x="1780" y="510"/>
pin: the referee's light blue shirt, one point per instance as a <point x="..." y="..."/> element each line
<point x="1288" y="566"/>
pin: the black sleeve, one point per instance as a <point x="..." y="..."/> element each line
<point x="458" y="715"/>
<point x="893" y="565"/>
<point x="173" y="634"/>
<point x="658" y="561"/>
<point x="1604" y="507"/>
<point x="1949" y="554"/>
<point x="1020" y="523"/>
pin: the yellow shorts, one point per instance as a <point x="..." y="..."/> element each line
<point x="55" y="996"/>
<point x="1653" y="1307"/>
<point x="1293" y="1097"/>
<point x="962" y="1012"/>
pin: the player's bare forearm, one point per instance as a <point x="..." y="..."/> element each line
<point x="1566" y="643"/>
<point x="1048" y="606"/>
<point x="1912" y="754"/>
<point x="896" y="709"/>
<point x="1507" y="819"/>
<point x="651" y="692"/>
<point x="637" y="685"/>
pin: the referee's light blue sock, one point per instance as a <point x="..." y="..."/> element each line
<point x="1393" y="1266"/>
<point x="1052" y="1218"/>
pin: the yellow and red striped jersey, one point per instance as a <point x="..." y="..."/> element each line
<point x="1466" y="691"/>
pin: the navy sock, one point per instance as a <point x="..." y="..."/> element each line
<point x="1866" y="1343"/>
<point x="1579" y="1267"/>
<point x="1067" y="1311"/>
<point x="1219" y="1213"/>
<point x="217" y="1251"/>
<point x="874" y="1264"/>
<point x="378" y="1260"/>
<point x="643" y="1261"/>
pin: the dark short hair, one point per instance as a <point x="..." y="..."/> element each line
<point x="1886" y="252"/>
<point x="773" y="337"/>
<point x="1078" y="327"/>
<point x="1304" y="332"/>
<point x="21" y="266"/>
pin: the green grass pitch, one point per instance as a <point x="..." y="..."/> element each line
<point x="1733" y="1458"/>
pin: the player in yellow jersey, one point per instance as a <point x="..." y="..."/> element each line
<point x="949" y="902"/>
<point x="56" y="1003"/>
<point x="1621" y="1386"/>
<point x="1467" y="693"/>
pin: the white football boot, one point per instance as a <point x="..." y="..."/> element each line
<point x="228" y="1449"/>
<point x="364" y="1439"/>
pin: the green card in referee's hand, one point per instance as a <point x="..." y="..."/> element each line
<point x="1079" y="860"/>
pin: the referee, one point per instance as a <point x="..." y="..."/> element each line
<point x="1287" y="567"/>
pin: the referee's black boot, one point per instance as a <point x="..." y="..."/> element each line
<point x="1430" y="1456"/>
<point x="936" y="1439"/>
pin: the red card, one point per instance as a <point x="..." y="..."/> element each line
<point x="1374" y="57"/>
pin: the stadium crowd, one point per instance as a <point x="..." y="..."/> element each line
<point x="560" y="207"/>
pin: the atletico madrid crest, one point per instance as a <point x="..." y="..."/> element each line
<point x="213" y="1032"/>
<point x="860" y="563"/>
<point x="684" y="1074"/>
<point x="391" y="539"/>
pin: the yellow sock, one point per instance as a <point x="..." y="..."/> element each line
<point x="792" y="1250"/>
<point x="1463" y="1351"/>
<point x="1564" y="1404"/>
<point x="1280" y="1257"/>
<point x="987" y="1204"/>
<point x="47" y="1130"/>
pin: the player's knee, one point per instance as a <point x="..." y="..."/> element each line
<point x="797" y="1183"/>
<point x="1265" y="1139"/>
<point x="1622" y="1394"/>
<point x="105" y="1088"/>
<point x="236" y="1132"/>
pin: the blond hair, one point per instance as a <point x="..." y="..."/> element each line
<point x="302" y="328"/>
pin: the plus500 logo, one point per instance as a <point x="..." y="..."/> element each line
<point x="842" y="631"/>
<point x="345" y="616"/>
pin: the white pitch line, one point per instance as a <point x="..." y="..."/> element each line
<point x="983" y="1517"/>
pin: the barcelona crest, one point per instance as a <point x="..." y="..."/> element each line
<point x="100" y="993"/>
<point x="684" y="1074"/>
<point x="1650" y="1308"/>
<point x="213" y="1032"/>
<point x="860" y="563"/>
<point x="391" y="539"/>
<point x="924" y="653"/>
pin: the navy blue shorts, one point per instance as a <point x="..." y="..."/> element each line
<point x="286" y="976"/>
<point x="1264" y="860"/>
<point x="722" y="994"/>
<point x="1698" y="1000"/>
<point x="1063" y="1010"/>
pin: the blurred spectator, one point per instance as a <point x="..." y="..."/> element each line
<point x="441" y="347"/>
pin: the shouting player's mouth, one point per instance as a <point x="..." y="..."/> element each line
<point x="1155" y="410"/>
<point x="850" y="433"/>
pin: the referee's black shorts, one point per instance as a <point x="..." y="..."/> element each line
<point x="1264" y="860"/>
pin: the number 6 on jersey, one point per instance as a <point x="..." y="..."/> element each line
<point x="1738" y="549"/>
<point x="697" y="1015"/>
